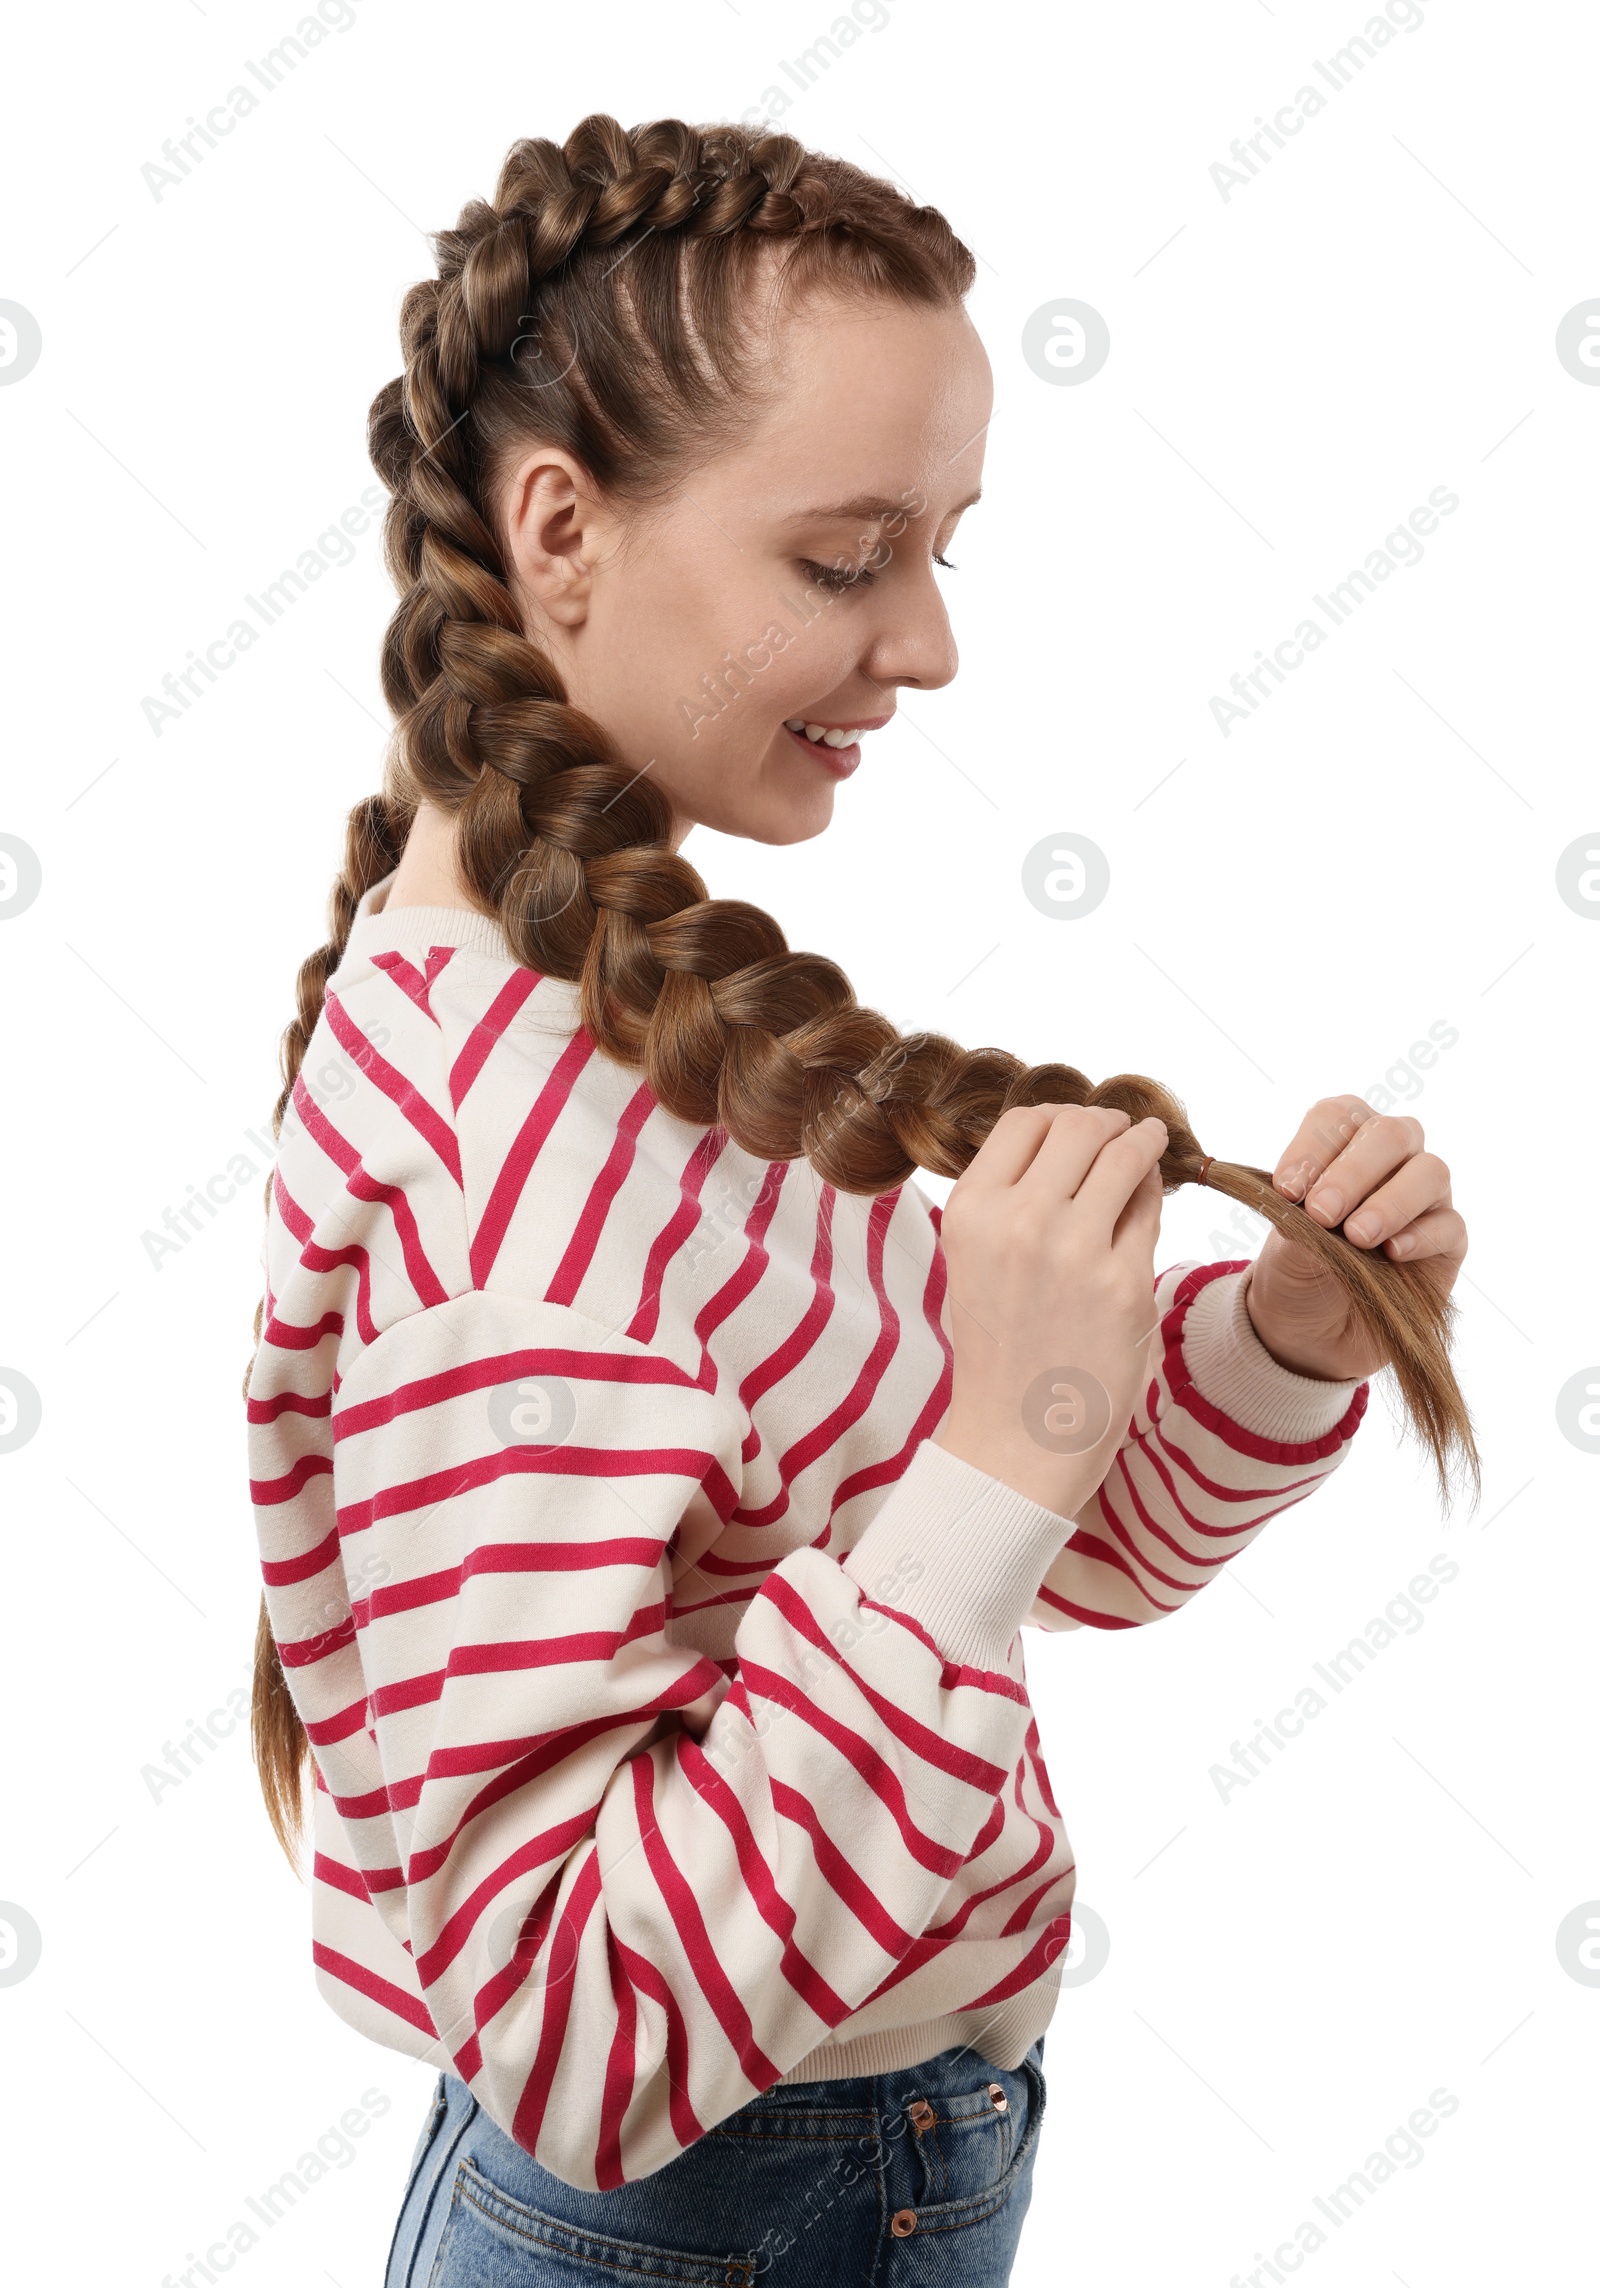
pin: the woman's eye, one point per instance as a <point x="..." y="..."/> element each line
<point x="838" y="577"/>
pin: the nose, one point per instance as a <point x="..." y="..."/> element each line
<point x="913" y="644"/>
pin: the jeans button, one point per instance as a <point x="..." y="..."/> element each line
<point x="997" y="2097"/>
<point x="902" y="2222"/>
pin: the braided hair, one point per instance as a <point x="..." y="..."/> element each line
<point x="602" y="302"/>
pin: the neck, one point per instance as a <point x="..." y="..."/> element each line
<point x="427" y="875"/>
<point x="427" y="872"/>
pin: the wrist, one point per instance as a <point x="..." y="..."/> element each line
<point x="1295" y="1359"/>
<point x="1061" y="1482"/>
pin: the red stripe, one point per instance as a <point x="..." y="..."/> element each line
<point x="403" y="1094"/>
<point x="489" y="1031"/>
<point x="380" y="1990"/>
<point x="944" y="1755"/>
<point x="529" y="2116"/>
<point x="315" y="1403"/>
<point x="951" y="1672"/>
<point x="933" y="1410"/>
<point x="879" y="1775"/>
<point x="282" y="1336"/>
<point x="497" y="1367"/>
<point x="280" y="1573"/>
<point x="675" y="1233"/>
<point x="266" y="1492"/>
<point x="310" y="1650"/>
<point x="525" y="1149"/>
<point x="620" y="2071"/>
<point x="327" y="1731"/>
<point x="499" y="1557"/>
<point x="553" y="1844"/>
<point x="360" y="1185"/>
<point x="350" y="1880"/>
<point x="774" y="1909"/>
<point x="686" y="2127"/>
<point x="1231" y="1433"/>
<point x="497" y="1990"/>
<point x="563" y="1288"/>
<point x="695" y="1939"/>
<point x="788" y="1355"/>
<point x="807" y="1450"/>
<point x="838" y="1871"/>
<point x="696" y="1467"/>
<point x="748" y="1272"/>
<point x="544" y="1754"/>
<point x="412" y="981"/>
<point x="1047" y="1947"/>
<point x="1085" y="1613"/>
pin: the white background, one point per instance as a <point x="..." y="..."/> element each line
<point x="1293" y="368"/>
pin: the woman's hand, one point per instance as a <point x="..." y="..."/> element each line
<point x="1049" y="1237"/>
<point x="1369" y="1172"/>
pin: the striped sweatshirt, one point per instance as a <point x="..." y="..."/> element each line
<point x="664" y="1679"/>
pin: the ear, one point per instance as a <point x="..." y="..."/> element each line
<point x="555" y="529"/>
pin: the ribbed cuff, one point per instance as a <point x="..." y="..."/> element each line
<point x="1232" y="1368"/>
<point x="960" y="1552"/>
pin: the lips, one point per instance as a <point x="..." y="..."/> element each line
<point x="836" y="746"/>
<point x="839" y="761"/>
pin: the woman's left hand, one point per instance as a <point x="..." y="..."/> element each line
<point x="1369" y="1172"/>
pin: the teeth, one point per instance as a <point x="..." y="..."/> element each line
<point x="821" y="738"/>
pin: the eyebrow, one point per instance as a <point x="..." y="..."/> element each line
<point x="869" y="505"/>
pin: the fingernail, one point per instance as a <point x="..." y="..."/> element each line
<point x="1361" y="1228"/>
<point x="1403" y="1243"/>
<point x="1326" y="1205"/>
<point x="1291" y="1181"/>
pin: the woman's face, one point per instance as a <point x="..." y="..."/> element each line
<point x="790" y="579"/>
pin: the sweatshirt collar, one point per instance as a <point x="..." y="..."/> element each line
<point x="413" y="929"/>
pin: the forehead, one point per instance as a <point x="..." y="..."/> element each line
<point x="870" y="401"/>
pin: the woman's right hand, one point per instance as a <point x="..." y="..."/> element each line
<point x="1049" y="1238"/>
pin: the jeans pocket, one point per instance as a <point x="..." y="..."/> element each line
<point x="492" y="2240"/>
<point x="969" y="2143"/>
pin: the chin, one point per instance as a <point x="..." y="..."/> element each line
<point x="788" y="822"/>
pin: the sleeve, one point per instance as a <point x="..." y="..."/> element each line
<point x="638" y="1883"/>
<point x="1223" y="1438"/>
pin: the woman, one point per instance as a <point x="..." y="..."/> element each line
<point x="650" y="1485"/>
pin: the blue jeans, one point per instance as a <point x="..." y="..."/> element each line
<point x="910" y="2179"/>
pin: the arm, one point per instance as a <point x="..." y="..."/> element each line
<point x="709" y="1863"/>
<point x="1223" y="1438"/>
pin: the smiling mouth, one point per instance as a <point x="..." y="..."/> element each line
<point x="836" y="745"/>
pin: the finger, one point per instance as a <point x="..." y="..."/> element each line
<point x="1325" y="1131"/>
<point x="1139" y="1224"/>
<point x="1383" y="1148"/>
<point x="1068" y="1153"/>
<point x="1423" y="1182"/>
<point x="1442" y="1231"/>
<point x="1008" y="1150"/>
<point x="1120" y="1168"/>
